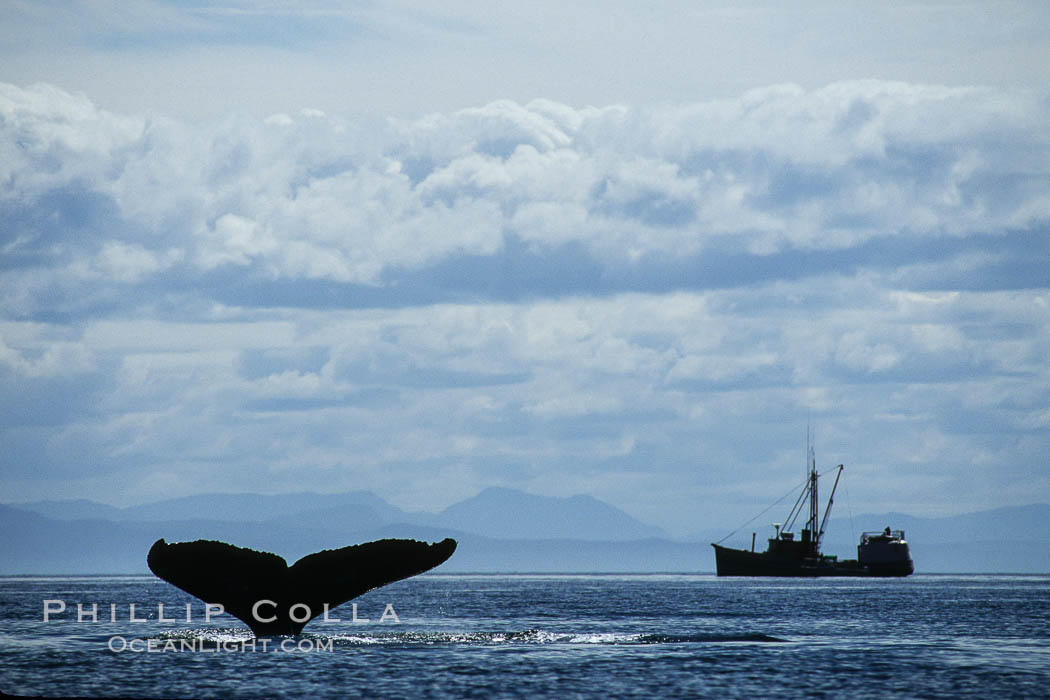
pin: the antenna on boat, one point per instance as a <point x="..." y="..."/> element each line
<point x="811" y="476"/>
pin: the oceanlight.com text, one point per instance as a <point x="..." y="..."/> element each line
<point x="204" y="646"/>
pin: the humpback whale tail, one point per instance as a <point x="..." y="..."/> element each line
<point x="273" y="598"/>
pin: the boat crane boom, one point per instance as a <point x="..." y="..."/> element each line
<point x="827" y="511"/>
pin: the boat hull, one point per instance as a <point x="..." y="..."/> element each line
<point x="740" y="562"/>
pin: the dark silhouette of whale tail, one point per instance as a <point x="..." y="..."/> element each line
<point x="273" y="598"/>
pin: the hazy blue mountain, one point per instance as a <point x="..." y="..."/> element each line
<point x="1030" y="522"/>
<point x="74" y="509"/>
<point x="498" y="530"/>
<point x="344" y="518"/>
<point x="577" y="556"/>
<point x="476" y="553"/>
<point x="34" y="544"/>
<point x="244" y="507"/>
<point x="250" y="507"/>
<point x="495" y="512"/>
<point x="511" y="514"/>
<point x="1012" y="524"/>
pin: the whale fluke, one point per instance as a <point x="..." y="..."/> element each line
<point x="239" y="578"/>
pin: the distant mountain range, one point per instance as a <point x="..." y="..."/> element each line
<point x="499" y="530"/>
<point x="495" y="512"/>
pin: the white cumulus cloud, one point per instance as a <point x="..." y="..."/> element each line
<point x="532" y="295"/>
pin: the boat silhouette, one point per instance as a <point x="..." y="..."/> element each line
<point x="882" y="553"/>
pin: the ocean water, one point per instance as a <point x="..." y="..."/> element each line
<point x="547" y="635"/>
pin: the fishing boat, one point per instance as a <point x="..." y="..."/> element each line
<point x="882" y="553"/>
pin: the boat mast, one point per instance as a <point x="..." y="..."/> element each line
<point x="811" y="466"/>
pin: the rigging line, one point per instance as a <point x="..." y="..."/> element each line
<point x="789" y="523"/>
<point x="793" y="515"/>
<point x="777" y="502"/>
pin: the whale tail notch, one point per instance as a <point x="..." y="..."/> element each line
<point x="239" y="578"/>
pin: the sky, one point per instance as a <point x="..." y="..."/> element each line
<point x="566" y="248"/>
